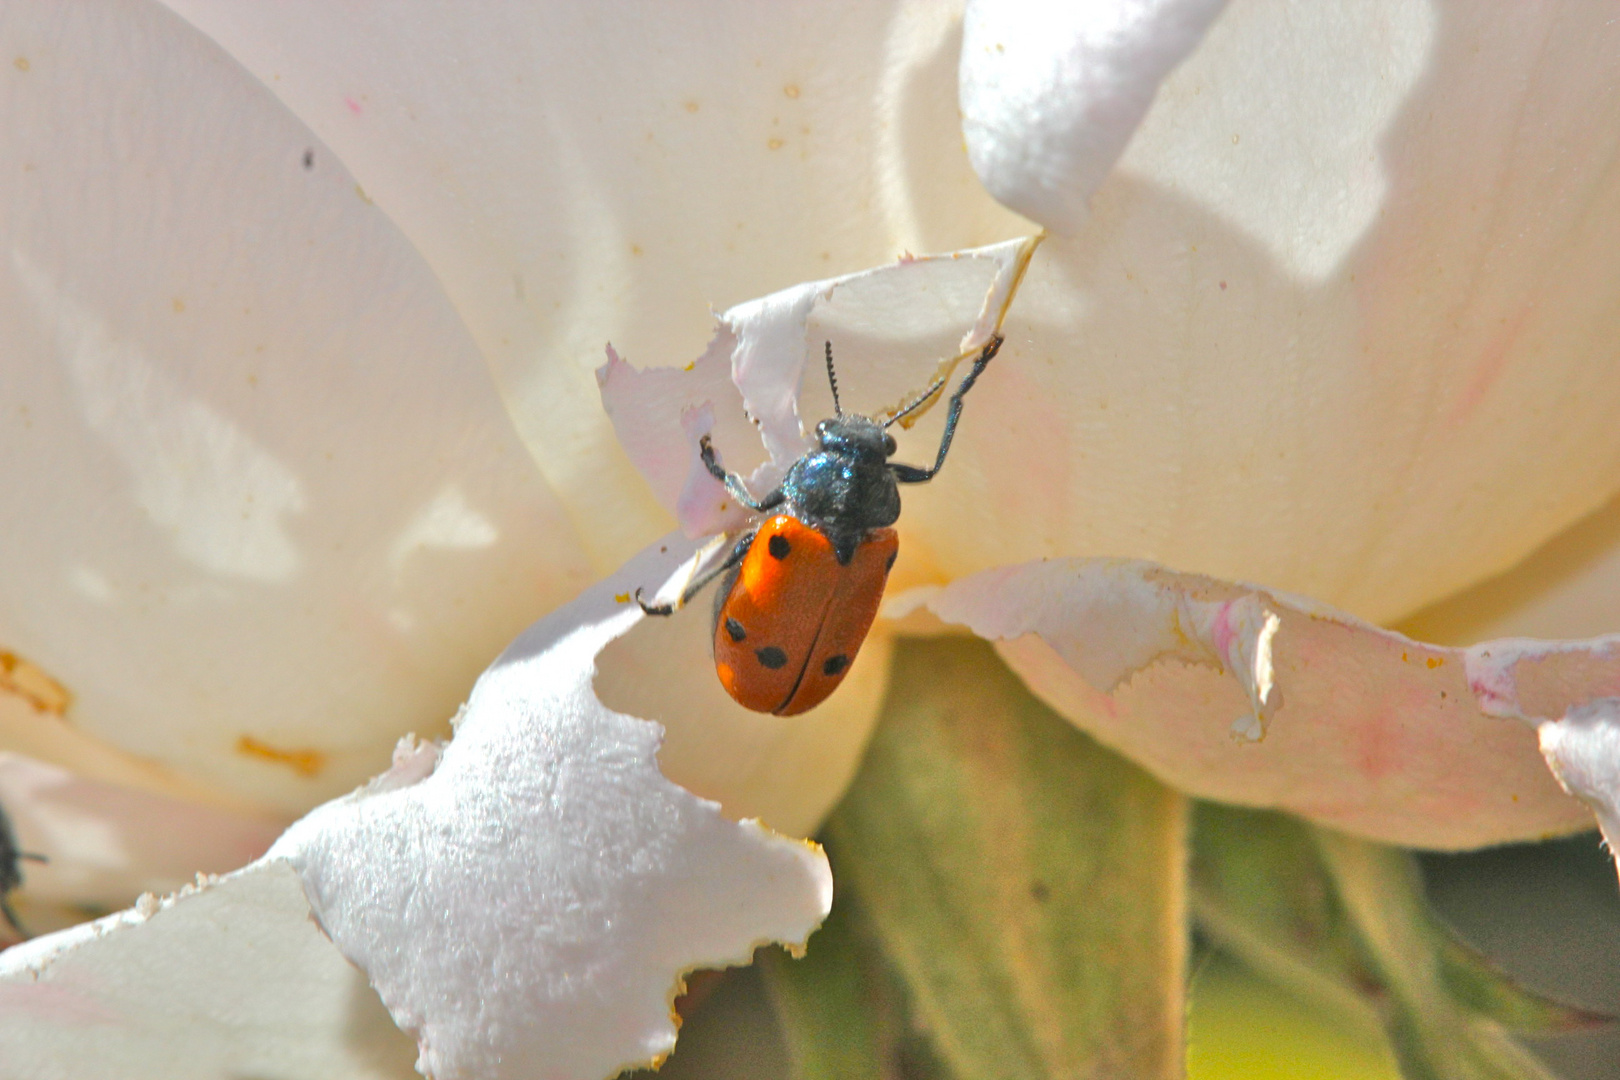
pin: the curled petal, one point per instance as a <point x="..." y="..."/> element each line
<point x="917" y="309"/>
<point x="1052" y="92"/>
<point x="1240" y="694"/>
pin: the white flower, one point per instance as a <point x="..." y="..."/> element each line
<point x="302" y="315"/>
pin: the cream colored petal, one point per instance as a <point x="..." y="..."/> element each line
<point x="1568" y="588"/>
<point x="1341" y="322"/>
<point x="264" y="511"/>
<point x="578" y="174"/>
<point x="1236" y="693"/>
<point x="1052" y="92"/>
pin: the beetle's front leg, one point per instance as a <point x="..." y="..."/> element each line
<point x="734" y="483"/>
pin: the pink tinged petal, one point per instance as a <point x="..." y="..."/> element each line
<point x="527" y="908"/>
<point x="1249" y="696"/>
<point x="1570" y="692"/>
<point x="919" y="309"/>
<point x="524" y="899"/>
<point x="264" y="512"/>
<point x="104" y="844"/>
<point x="1052" y="92"/>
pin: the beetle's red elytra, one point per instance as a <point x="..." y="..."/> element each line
<point x="803" y="586"/>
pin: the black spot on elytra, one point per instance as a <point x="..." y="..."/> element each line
<point x="836" y="663"/>
<point x="735" y="629"/>
<point x="771" y="657"/>
<point x="779" y="547"/>
<point x="890" y="564"/>
<point x="1039" y="893"/>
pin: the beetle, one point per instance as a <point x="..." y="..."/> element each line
<point x="11" y="873"/>
<point x="802" y="587"/>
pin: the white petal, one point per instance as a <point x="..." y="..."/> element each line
<point x="231" y="978"/>
<point x="1236" y="693"/>
<point x="524" y="900"/>
<point x="1052" y="92"/>
<point x="583" y="173"/>
<point x="104" y="845"/>
<point x="264" y="509"/>
<point x="1583" y="751"/>
<point x="527" y="907"/>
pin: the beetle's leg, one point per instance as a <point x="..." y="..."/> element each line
<point x="734" y="483"/>
<point x="737" y="552"/>
<point x="910" y="474"/>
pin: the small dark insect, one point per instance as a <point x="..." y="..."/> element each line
<point x="11" y="872"/>
<point x="804" y="585"/>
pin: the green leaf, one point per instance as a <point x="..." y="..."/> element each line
<point x="1025" y="884"/>
<point x="1436" y="1034"/>
<point x="1346" y="922"/>
<point x="1481" y="988"/>
<point x="842" y="1009"/>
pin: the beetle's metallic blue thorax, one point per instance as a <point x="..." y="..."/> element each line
<point x="845" y="488"/>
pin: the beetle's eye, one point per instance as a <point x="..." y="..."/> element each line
<point x="821" y="429"/>
<point x="889" y="446"/>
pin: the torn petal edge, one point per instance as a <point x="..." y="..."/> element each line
<point x="660" y="413"/>
<point x="1398" y="735"/>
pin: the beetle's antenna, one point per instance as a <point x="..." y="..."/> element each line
<point x="939" y="384"/>
<point x="832" y="378"/>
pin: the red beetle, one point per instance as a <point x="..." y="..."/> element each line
<point x="803" y="587"/>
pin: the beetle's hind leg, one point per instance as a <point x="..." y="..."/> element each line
<point x="738" y="550"/>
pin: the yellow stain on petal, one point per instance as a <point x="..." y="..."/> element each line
<point x="1435" y="661"/>
<point x="21" y="63"/>
<point x="306" y="763"/>
<point x="774" y="144"/>
<point x="360" y="191"/>
<point x="791" y="90"/>
<point x="621" y="598"/>
<point x="179" y="305"/>
<point x="30" y="682"/>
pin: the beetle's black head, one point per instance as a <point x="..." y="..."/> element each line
<point x="856" y="436"/>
